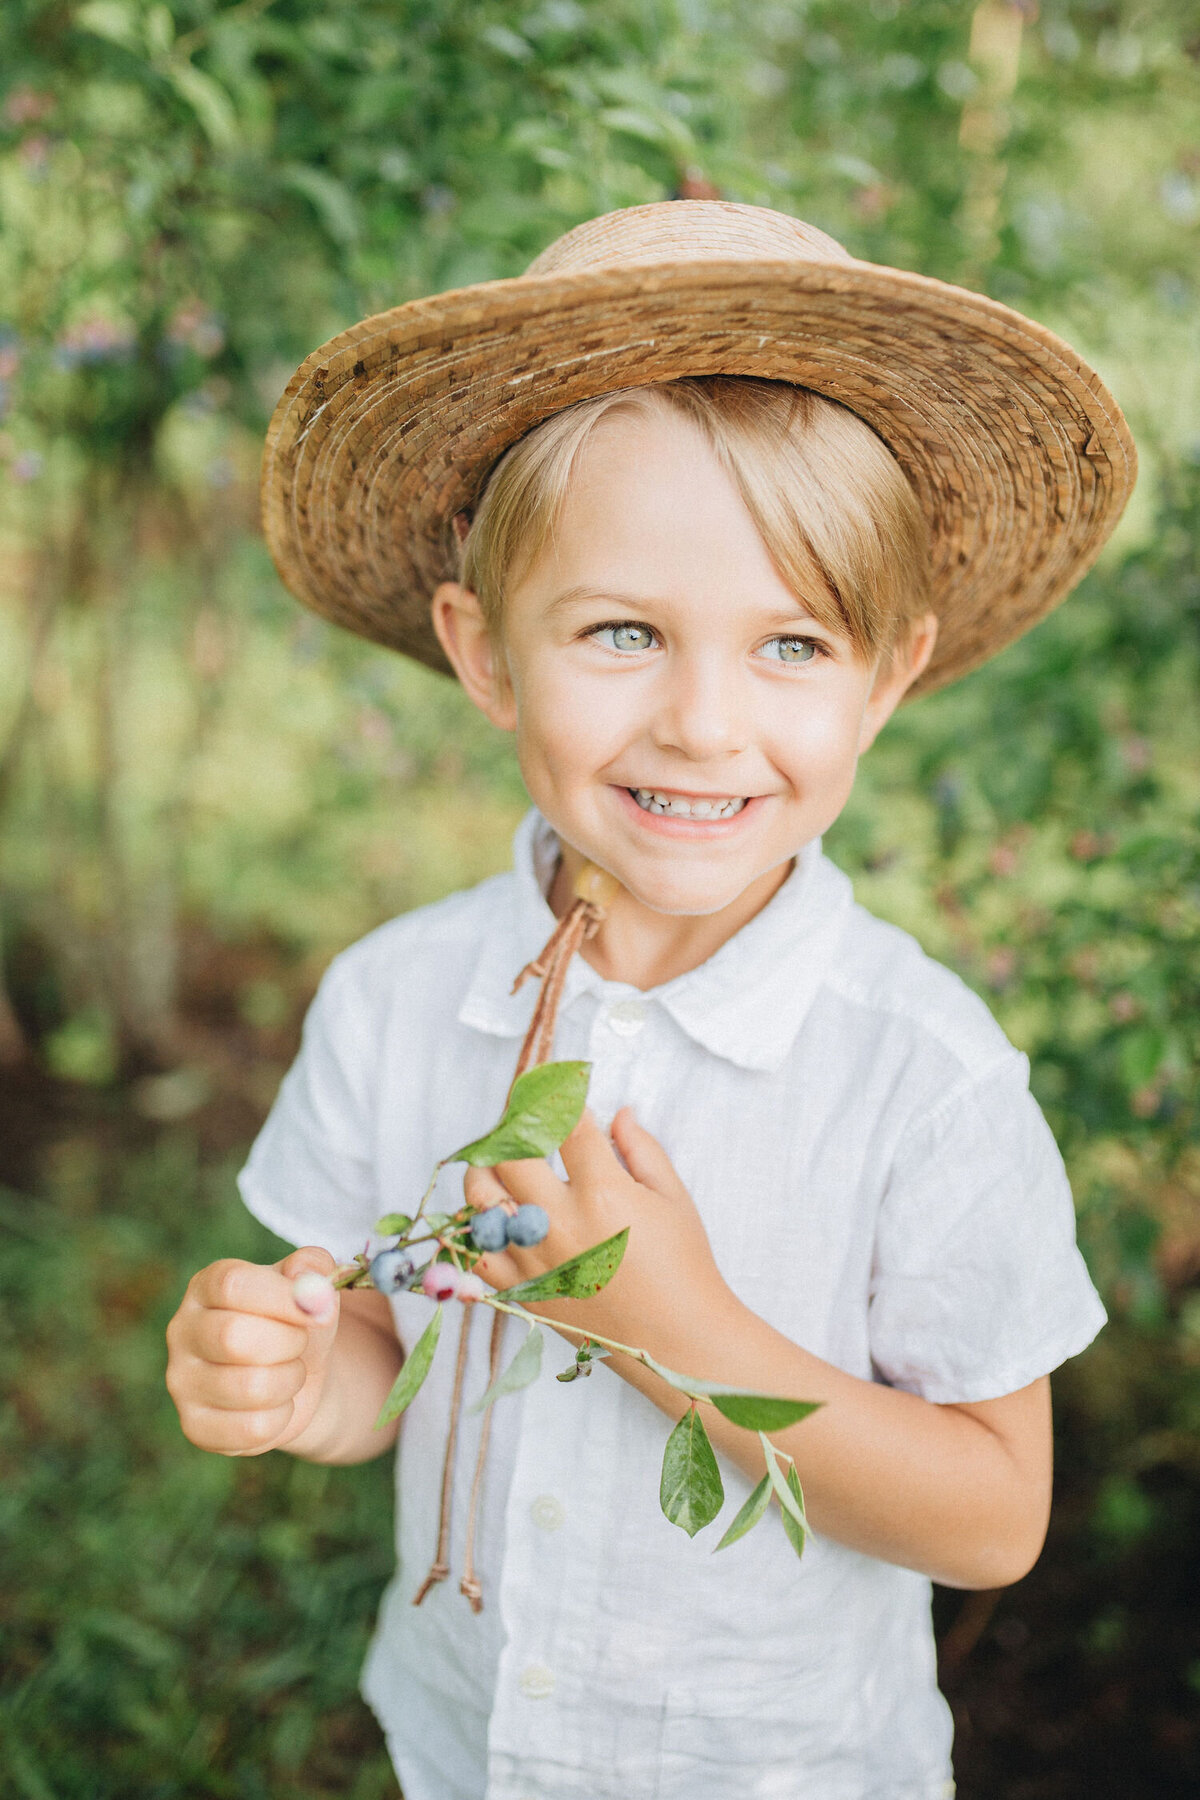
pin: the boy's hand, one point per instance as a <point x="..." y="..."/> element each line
<point x="246" y="1365"/>
<point x="667" y="1273"/>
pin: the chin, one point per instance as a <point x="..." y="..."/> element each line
<point x="683" y="899"/>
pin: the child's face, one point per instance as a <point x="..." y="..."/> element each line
<point x="652" y="649"/>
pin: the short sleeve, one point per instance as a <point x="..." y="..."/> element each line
<point x="310" y="1176"/>
<point x="978" y="1286"/>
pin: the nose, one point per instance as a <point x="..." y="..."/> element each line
<point x="703" y="711"/>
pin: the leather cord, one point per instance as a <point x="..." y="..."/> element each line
<point x="594" y="891"/>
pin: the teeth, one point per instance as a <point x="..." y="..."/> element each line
<point x="652" y="800"/>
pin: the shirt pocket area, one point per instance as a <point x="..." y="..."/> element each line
<point x="756" y="1737"/>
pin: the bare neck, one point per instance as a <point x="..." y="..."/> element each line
<point x="645" y="948"/>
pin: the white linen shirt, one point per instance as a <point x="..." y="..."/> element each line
<point x="876" y="1181"/>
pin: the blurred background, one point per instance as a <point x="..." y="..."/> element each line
<point x="205" y="793"/>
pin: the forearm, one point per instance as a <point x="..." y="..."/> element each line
<point x="929" y="1487"/>
<point x="364" y="1362"/>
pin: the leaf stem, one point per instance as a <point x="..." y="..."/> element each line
<point x="589" y="1336"/>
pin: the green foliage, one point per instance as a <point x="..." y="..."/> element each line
<point x="175" y="1623"/>
<point x="789" y="1495"/>
<point x="749" y="1515"/>
<point x="393" y="1224"/>
<point x="761" y="1412"/>
<point x="691" y="1492"/>
<point x="524" y="1368"/>
<point x="575" y="1279"/>
<point x="413" y="1371"/>
<point x="755" y="1412"/>
<point x="191" y="196"/>
<point x="543" y="1109"/>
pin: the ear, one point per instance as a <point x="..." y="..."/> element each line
<point x="895" y="675"/>
<point x="474" y="653"/>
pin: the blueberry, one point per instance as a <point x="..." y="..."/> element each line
<point x="392" y="1271"/>
<point x="528" y="1226"/>
<point x="441" y="1281"/>
<point x="489" y="1229"/>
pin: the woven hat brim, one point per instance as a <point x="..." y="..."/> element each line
<point x="1018" y="453"/>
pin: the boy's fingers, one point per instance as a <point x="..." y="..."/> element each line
<point x="233" y="1286"/>
<point x="530" y="1181"/>
<point x="254" y="1389"/>
<point x="235" y="1433"/>
<point x="645" y="1157"/>
<point x="588" y="1151"/>
<point x="483" y="1188"/>
<point x="241" y="1338"/>
<point x="309" y="1256"/>
<point x="498" y="1269"/>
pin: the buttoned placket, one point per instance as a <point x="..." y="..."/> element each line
<point x="566" y="1448"/>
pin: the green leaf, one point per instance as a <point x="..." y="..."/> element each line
<point x="331" y="200"/>
<point x="750" y="1514"/>
<point x="648" y="128"/>
<point x="525" y="1367"/>
<point x="208" y="100"/>
<point x="797" y="1534"/>
<point x="1141" y="1053"/>
<point x="393" y="1225"/>
<point x="789" y="1495"/>
<point x="109" y="19"/>
<point x="507" y="43"/>
<point x="416" y="1367"/>
<point x="761" y="1412"/>
<point x="544" y="1108"/>
<point x="690" y="1492"/>
<point x="577" y="1278"/>
<point x="757" y="1412"/>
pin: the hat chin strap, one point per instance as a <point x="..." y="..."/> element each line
<point x="594" y="890"/>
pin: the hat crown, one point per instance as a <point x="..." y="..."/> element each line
<point x="668" y="231"/>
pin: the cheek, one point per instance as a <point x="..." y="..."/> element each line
<point x="821" y="737"/>
<point x="564" y="727"/>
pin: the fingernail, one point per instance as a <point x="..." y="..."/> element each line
<point x="313" y="1293"/>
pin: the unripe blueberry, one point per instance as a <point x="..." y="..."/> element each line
<point x="471" y="1287"/>
<point x="528" y="1226"/>
<point x="441" y="1281"/>
<point x="489" y="1229"/>
<point x="392" y="1271"/>
<point x="314" y="1294"/>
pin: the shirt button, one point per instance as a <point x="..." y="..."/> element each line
<point x="537" y="1682"/>
<point x="626" y="1017"/>
<point x="548" y="1512"/>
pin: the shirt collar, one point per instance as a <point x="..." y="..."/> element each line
<point x="746" y="1003"/>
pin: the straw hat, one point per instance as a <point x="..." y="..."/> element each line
<point x="1016" y="450"/>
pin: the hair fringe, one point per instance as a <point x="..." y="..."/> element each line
<point x="833" y="507"/>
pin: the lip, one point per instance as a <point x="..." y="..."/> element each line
<point x="700" y="830"/>
<point x="650" y="787"/>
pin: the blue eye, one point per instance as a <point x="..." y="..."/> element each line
<point x="790" y="649"/>
<point x="624" y="637"/>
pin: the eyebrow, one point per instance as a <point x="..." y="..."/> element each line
<point x="573" y="596"/>
<point x="637" y="604"/>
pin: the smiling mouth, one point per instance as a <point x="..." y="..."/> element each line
<point x="680" y="806"/>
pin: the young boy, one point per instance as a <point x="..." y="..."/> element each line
<point x="694" y="581"/>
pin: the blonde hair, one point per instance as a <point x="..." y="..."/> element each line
<point x="829" y="500"/>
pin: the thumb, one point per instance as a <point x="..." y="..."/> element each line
<point x="310" y="1270"/>
<point x="645" y="1157"/>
